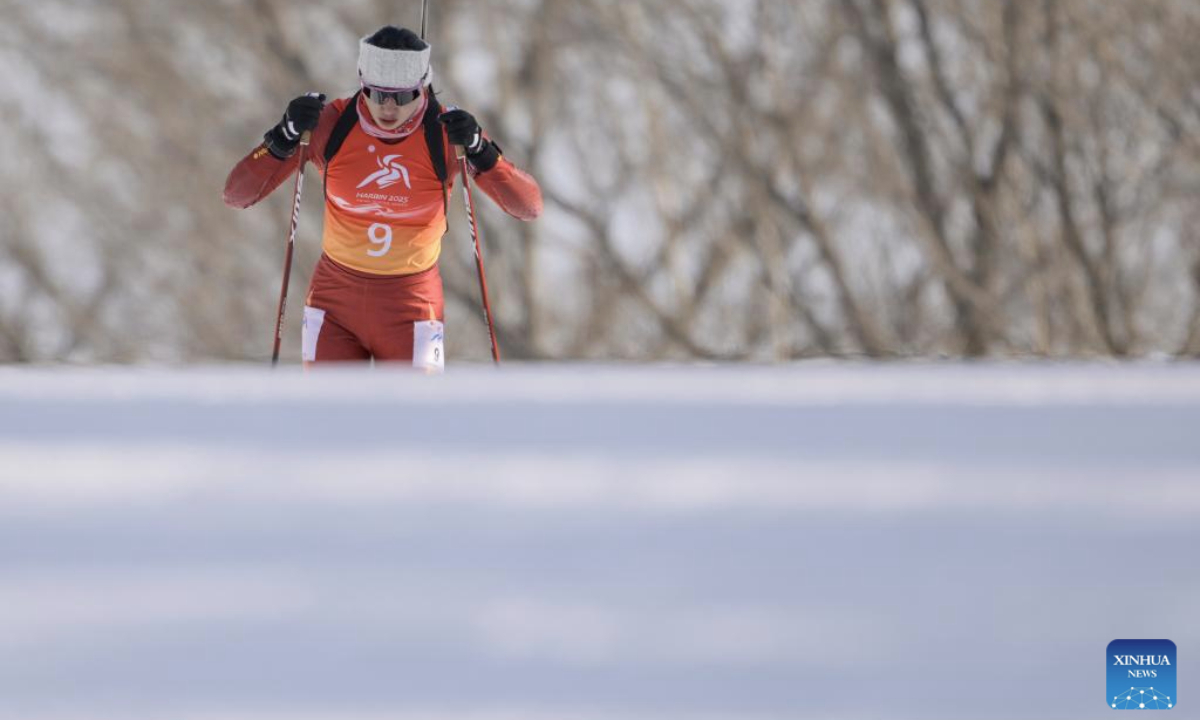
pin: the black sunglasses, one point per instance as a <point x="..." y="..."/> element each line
<point x="400" y="97"/>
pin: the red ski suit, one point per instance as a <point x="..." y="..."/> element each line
<point x="377" y="283"/>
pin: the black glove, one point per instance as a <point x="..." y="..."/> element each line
<point x="463" y="129"/>
<point x="301" y="116"/>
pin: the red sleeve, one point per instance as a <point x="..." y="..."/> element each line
<point x="259" y="173"/>
<point x="513" y="189"/>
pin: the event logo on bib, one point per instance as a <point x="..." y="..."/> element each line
<point x="389" y="173"/>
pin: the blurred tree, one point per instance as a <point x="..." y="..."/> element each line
<point x="725" y="179"/>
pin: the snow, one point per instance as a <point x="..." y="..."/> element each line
<point x="817" y="540"/>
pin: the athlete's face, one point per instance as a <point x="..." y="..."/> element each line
<point x="388" y="115"/>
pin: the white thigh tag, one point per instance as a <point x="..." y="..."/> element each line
<point x="428" y="351"/>
<point x="310" y="331"/>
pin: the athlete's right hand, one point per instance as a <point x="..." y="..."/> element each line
<point x="301" y="116"/>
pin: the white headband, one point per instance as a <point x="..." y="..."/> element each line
<point x="393" y="68"/>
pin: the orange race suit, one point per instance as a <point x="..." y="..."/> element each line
<point x="385" y="216"/>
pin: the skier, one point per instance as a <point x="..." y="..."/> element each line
<point x="376" y="291"/>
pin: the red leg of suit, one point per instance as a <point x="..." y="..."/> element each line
<point x="354" y="316"/>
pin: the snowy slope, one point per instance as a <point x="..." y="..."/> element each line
<point x="591" y="542"/>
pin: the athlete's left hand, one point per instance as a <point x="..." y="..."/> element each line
<point x="463" y="129"/>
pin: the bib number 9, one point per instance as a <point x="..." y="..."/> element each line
<point x="380" y="234"/>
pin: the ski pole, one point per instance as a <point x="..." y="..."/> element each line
<point x="469" y="202"/>
<point x="305" y="137"/>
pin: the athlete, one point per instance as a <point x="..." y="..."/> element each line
<point x="376" y="292"/>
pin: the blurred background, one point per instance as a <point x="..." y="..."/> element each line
<point x="694" y="494"/>
<point x="725" y="179"/>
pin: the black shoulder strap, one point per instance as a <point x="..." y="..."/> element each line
<point x="433" y="134"/>
<point x="437" y="147"/>
<point x="433" y="137"/>
<point x="345" y="123"/>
